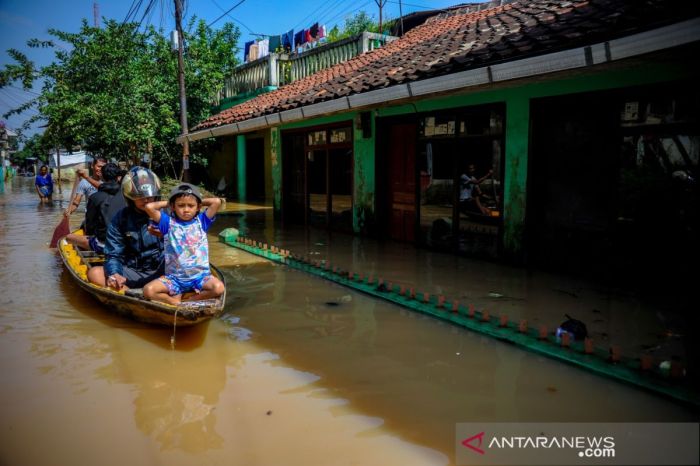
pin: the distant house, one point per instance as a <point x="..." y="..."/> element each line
<point x="73" y="160"/>
<point x="586" y="112"/>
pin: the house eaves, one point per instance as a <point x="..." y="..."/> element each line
<point x="667" y="37"/>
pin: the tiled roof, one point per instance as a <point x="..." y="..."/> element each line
<point x="457" y="41"/>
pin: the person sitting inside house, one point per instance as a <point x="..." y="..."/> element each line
<point x="470" y="193"/>
<point x="101" y="208"/>
<point x="87" y="185"/>
<point x="44" y="184"/>
<point x="186" y="246"/>
<point x="133" y="254"/>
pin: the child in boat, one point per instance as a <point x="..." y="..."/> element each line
<point x="44" y="184"/>
<point x="186" y="247"/>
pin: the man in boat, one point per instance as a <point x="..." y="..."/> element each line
<point x="87" y="185"/>
<point x="133" y="256"/>
<point x="101" y="208"/>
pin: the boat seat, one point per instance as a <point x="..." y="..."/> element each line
<point x="90" y="258"/>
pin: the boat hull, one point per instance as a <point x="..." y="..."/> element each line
<point x="187" y="314"/>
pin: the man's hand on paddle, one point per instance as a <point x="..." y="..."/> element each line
<point x="116" y="281"/>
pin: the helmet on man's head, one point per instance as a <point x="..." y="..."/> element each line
<point x="140" y="182"/>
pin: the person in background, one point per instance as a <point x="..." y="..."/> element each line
<point x="101" y="208"/>
<point x="44" y="184"/>
<point x="470" y="193"/>
<point x="133" y="255"/>
<point x="87" y="186"/>
<point x="186" y="246"/>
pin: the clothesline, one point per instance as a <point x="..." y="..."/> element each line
<point x="288" y="42"/>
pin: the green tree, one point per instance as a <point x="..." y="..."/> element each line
<point x="34" y="146"/>
<point x="354" y="25"/>
<point x="114" y="90"/>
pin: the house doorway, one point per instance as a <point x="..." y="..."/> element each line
<point x="318" y="177"/>
<point x="402" y="182"/>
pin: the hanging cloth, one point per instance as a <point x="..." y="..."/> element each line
<point x="246" y="49"/>
<point x="307" y="35"/>
<point x="299" y="38"/>
<point x="263" y="48"/>
<point x="313" y="32"/>
<point x="322" y="32"/>
<point x="275" y="43"/>
<point x="253" y="54"/>
<point x="288" y="40"/>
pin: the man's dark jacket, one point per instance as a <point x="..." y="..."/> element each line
<point x="130" y="244"/>
<point x="101" y="207"/>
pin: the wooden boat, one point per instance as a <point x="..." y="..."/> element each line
<point x="132" y="303"/>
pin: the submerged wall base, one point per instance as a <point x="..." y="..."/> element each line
<point x="607" y="362"/>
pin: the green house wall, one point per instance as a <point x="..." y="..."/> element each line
<point x="516" y="96"/>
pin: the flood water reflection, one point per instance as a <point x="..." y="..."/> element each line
<point x="297" y="371"/>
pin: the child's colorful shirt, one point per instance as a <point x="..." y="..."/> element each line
<point x="186" y="246"/>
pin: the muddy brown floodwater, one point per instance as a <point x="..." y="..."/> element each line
<point x="297" y="371"/>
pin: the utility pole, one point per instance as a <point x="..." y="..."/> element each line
<point x="183" y="97"/>
<point x="96" y="14"/>
<point x="380" y="4"/>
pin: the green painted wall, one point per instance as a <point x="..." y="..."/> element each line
<point x="240" y="158"/>
<point x="516" y="96"/>
<point x="364" y="181"/>
<point x="276" y="169"/>
<point x="515" y="176"/>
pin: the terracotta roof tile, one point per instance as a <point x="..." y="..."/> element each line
<point x="457" y="41"/>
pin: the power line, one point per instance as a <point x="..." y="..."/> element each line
<point x="417" y="6"/>
<point x="309" y="15"/>
<point x="133" y="9"/>
<point x="345" y="13"/>
<point x="227" y="12"/>
<point x="328" y="11"/>
<point x="234" y="19"/>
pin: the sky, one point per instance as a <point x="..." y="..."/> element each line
<point x="21" y="20"/>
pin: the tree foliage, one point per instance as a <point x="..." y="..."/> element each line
<point x="34" y="146"/>
<point x="114" y="90"/>
<point x="357" y="24"/>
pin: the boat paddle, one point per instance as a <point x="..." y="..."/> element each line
<point x="63" y="228"/>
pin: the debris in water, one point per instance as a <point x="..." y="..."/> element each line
<point x="332" y="303"/>
<point x="495" y="295"/>
<point x="552" y="389"/>
<point x="269" y="413"/>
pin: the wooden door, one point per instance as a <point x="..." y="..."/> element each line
<point x="402" y="182"/>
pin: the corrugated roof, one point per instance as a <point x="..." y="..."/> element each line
<point x="458" y="41"/>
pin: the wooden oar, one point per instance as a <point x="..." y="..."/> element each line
<point x="63" y="228"/>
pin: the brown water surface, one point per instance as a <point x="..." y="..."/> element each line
<point x="297" y="371"/>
